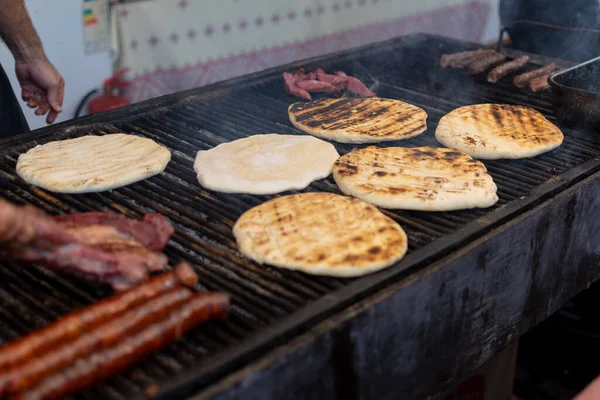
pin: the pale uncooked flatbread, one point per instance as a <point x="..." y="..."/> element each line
<point x="92" y="163"/>
<point x="367" y="120"/>
<point x="494" y="131"/>
<point x="320" y="234"/>
<point x="265" y="164"/>
<point x="422" y="178"/>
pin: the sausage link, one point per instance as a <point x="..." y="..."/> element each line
<point x="502" y="70"/>
<point x="102" y="364"/>
<point x="75" y="323"/>
<point x="26" y="375"/>
<point x="540" y="83"/>
<point x="463" y="59"/>
<point x="484" y="63"/>
<point x="524" y="79"/>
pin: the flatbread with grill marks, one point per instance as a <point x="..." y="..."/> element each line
<point x="495" y="131"/>
<point x="367" y="120"/>
<point x="422" y="178"/>
<point x="92" y="163"/>
<point x="320" y="234"/>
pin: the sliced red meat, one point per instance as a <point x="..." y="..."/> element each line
<point x="301" y="75"/>
<point x="95" y="252"/>
<point x="317" y="86"/>
<point x="153" y="232"/>
<point x="356" y="86"/>
<point x="292" y="88"/>
<point x="301" y="84"/>
<point x="336" y="80"/>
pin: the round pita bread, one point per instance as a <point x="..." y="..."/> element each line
<point x="422" y="178"/>
<point x="92" y="163"/>
<point x="265" y="164"/>
<point x="366" y="120"/>
<point x="320" y="234"/>
<point x="494" y="131"/>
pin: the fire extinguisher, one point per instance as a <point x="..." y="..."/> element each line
<point x="111" y="96"/>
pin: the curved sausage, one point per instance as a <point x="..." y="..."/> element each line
<point x="26" y="375"/>
<point x="502" y="70"/>
<point x="486" y="62"/>
<point x="540" y="83"/>
<point x="82" y="320"/>
<point x="102" y="364"/>
<point x="464" y="58"/>
<point x="524" y="79"/>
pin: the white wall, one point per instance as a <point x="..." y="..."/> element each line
<point x="60" y="26"/>
<point x="493" y="26"/>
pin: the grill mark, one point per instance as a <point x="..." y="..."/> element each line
<point x="336" y="119"/>
<point x="363" y="117"/>
<point x="498" y="117"/>
<point x="389" y="128"/>
<point x="314" y="109"/>
<point x="356" y="116"/>
<point x="411" y="132"/>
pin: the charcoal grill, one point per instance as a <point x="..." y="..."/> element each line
<point x="271" y="306"/>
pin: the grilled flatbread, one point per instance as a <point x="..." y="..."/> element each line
<point x="265" y="164"/>
<point x="92" y="163"/>
<point x="494" y="131"/>
<point x="320" y="234"/>
<point x="423" y="178"/>
<point x="368" y="120"/>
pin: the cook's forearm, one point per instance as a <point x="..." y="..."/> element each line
<point x="18" y="32"/>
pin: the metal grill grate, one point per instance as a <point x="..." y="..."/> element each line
<point x="269" y="304"/>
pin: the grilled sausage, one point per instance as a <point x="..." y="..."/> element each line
<point x="502" y="70"/>
<point x="75" y="323"/>
<point x="102" y="364"/>
<point x="26" y="375"/>
<point x="463" y="59"/>
<point x="524" y="79"/>
<point x="540" y="83"/>
<point x="486" y="62"/>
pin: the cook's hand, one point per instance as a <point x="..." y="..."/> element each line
<point x="42" y="87"/>
<point x="592" y="392"/>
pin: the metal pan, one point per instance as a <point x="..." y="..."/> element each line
<point x="576" y="95"/>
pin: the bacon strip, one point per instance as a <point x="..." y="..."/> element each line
<point x="95" y="252"/>
<point x="524" y="79"/>
<point x="502" y="70"/>
<point x="153" y="232"/>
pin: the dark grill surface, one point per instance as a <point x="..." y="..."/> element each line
<point x="269" y="304"/>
